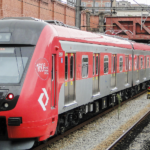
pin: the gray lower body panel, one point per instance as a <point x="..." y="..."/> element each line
<point x="141" y="76"/>
<point x="84" y="90"/>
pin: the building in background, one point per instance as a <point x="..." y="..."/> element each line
<point x="42" y="9"/>
<point x="123" y="12"/>
<point x="68" y="2"/>
<point x="123" y="4"/>
<point x="96" y="19"/>
<point x="98" y="3"/>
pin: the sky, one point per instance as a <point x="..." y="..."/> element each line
<point x="139" y="1"/>
<point x="64" y="1"/>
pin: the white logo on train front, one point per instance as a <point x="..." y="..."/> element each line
<point x="40" y="100"/>
<point x="60" y="54"/>
<point x="42" y="68"/>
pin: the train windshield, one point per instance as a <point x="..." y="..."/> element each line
<point x="13" y="62"/>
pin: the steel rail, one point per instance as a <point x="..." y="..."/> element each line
<point x="58" y="137"/>
<point x="113" y="145"/>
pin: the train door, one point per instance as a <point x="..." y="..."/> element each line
<point x="69" y="78"/>
<point x="95" y="73"/>
<point x="126" y="68"/>
<point x="113" y="70"/>
<point x="53" y="82"/>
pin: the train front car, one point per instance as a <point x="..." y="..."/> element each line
<point x="25" y="77"/>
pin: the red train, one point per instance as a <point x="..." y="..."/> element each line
<point x="53" y="77"/>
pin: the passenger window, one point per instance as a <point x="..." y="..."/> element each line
<point x="71" y="67"/>
<point x="147" y="62"/>
<point x="84" y="66"/>
<point x="141" y="62"/>
<point x="106" y="64"/>
<point x="96" y="65"/>
<point x="127" y="63"/>
<point x="121" y="63"/>
<point x="66" y="67"/>
<point x="93" y="65"/>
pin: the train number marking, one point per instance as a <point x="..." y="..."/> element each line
<point x="41" y="101"/>
<point x="42" y="68"/>
<point x="60" y="54"/>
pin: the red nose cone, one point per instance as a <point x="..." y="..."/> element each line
<point x="10" y="96"/>
<point x="149" y="87"/>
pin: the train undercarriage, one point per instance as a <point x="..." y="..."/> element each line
<point x="82" y="113"/>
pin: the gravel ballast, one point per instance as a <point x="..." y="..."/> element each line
<point x="100" y="133"/>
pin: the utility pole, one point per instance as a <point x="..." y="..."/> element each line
<point x="78" y="13"/>
<point x="111" y="6"/>
<point x="93" y="6"/>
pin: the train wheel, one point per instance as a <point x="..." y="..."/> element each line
<point x="136" y="89"/>
<point x="75" y="120"/>
<point x="62" y="129"/>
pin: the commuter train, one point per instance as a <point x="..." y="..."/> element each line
<point x="52" y="77"/>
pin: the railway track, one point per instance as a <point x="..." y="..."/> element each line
<point x="122" y="137"/>
<point x="56" y="138"/>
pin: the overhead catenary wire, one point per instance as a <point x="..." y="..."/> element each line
<point x="141" y="5"/>
<point x="142" y="20"/>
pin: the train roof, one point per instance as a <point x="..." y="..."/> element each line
<point x="141" y="46"/>
<point x="84" y="36"/>
<point x="23" y="32"/>
<point x="26" y="30"/>
<point x="88" y="37"/>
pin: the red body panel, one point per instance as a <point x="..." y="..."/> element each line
<point x="42" y="122"/>
<point x="35" y="121"/>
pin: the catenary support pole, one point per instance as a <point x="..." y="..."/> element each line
<point x="111" y="6"/>
<point x="93" y="6"/>
<point x="78" y="13"/>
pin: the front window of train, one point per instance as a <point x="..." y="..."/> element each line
<point x="13" y="62"/>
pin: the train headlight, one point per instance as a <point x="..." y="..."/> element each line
<point x="6" y="105"/>
<point x="10" y="96"/>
